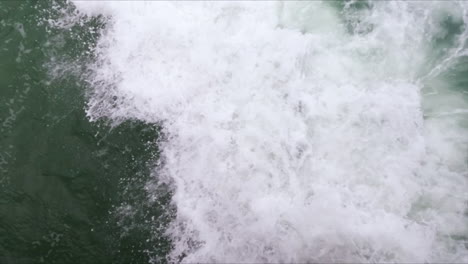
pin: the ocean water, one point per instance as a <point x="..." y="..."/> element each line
<point x="234" y="131"/>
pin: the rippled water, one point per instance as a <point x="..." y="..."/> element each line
<point x="64" y="180"/>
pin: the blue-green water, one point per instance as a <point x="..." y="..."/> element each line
<point x="62" y="177"/>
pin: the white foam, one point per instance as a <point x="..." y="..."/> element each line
<point x="287" y="146"/>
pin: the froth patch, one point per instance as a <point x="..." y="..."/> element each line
<point x="282" y="146"/>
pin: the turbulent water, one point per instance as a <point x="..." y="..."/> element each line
<point x="331" y="131"/>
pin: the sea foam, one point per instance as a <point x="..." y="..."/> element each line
<point x="295" y="131"/>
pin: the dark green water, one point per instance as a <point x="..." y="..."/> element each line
<point x="65" y="183"/>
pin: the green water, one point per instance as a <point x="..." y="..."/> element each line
<point x="64" y="180"/>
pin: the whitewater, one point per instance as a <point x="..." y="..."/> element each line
<point x="296" y="131"/>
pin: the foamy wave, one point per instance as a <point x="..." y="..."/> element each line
<point x="295" y="130"/>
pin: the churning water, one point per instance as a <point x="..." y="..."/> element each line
<point x="331" y="131"/>
<point x="298" y="131"/>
